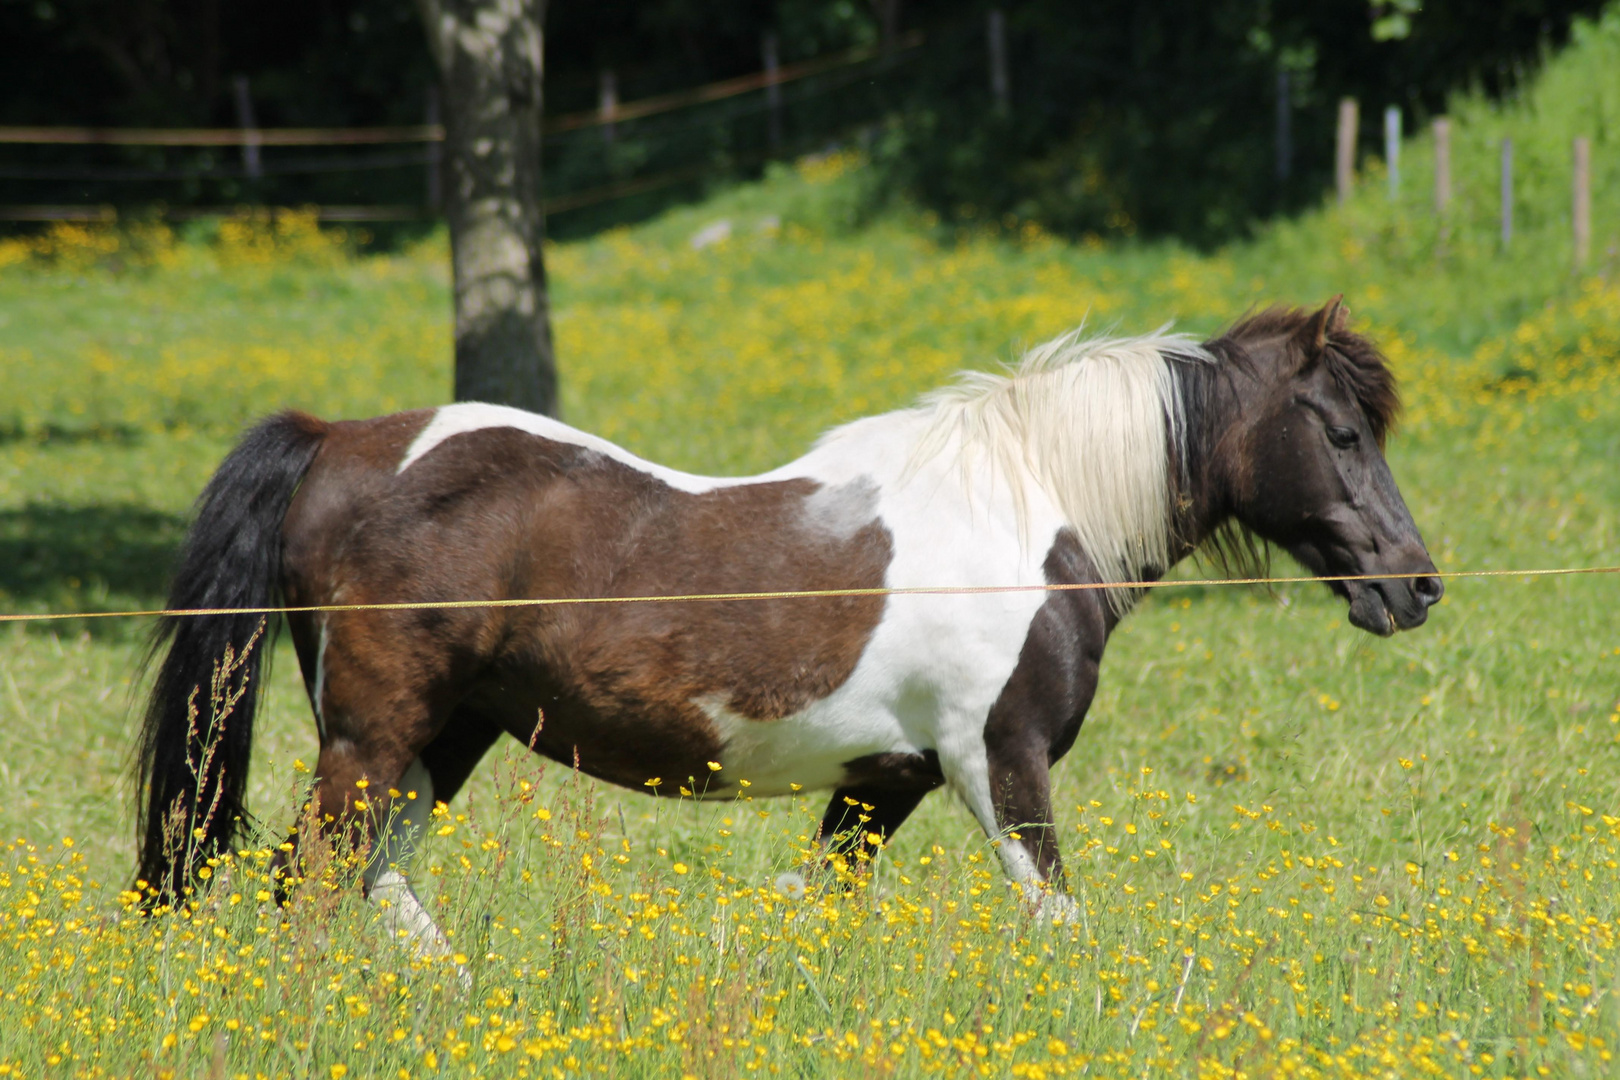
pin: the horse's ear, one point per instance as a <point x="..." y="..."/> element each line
<point x="1320" y="327"/>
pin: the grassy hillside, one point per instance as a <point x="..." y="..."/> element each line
<point x="1298" y="847"/>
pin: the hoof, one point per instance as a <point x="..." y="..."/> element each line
<point x="1051" y="906"/>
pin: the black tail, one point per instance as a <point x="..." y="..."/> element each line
<point x="198" y="731"/>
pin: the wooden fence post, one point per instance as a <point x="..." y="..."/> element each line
<point x="1392" y="149"/>
<point x="435" y="153"/>
<point x="607" y="103"/>
<point x="1442" y="165"/>
<point x="1000" y="89"/>
<point x="1507" y="191"/>
<point x="888" y="25"/>
<point x="1345" y="160"/>
<point x="773" y="88"/>
<point x="1285" y="134"/>
<point x="250" y="129"/>
<point x="1582" y="216"/>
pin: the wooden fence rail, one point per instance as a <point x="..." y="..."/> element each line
<point x="432" y="133"/>
<point x="610" y="112"/>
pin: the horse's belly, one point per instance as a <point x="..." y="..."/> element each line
<point x="926" y="683"/>
<point x="806" y="751"/>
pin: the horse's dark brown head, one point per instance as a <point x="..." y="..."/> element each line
<point x="1304" y="464"/>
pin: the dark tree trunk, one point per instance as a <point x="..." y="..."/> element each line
<point x="490" y="61"/>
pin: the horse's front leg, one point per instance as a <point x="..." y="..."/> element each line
<point x="1008" y="789"/>
<point x="1001" y="765"/>
<point x="882" y="792"/>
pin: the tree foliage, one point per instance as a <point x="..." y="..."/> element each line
<point x="1125" y="116"/>
<point x="1162" y="116"/>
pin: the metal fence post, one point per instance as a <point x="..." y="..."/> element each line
<point x="250" y="129"/>
<point x="607" y="106"/>
<point x="1442" y="165"/>
<point x="435" y="152"/>
<point x="1507" y="192"/>
<point x="1000" y="89"/>
<point x="1582" y="215"/>
<point x="1392" y="149"/>
<point x="773" y="88"/>
<point x="1285" y="134"/>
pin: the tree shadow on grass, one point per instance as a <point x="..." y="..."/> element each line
<point x="64" y="434"/>
<point x="99" y="557"/>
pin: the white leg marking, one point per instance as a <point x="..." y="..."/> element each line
<point x="319" y="691"/>
<point x="403" y="915"/>
<point x="971" y="780"/>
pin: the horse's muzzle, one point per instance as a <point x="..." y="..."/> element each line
<point x="1386" y="605"/>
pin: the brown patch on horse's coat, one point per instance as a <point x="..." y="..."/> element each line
<point x="498" y="513"/>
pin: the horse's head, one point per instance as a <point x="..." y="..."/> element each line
<point x="1305" y="465"/>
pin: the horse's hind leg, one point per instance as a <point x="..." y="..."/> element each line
<point x="370" y="801"/>
<point x="434" y="775"/>
<point x="384" y="875"/>
<point x="856" y="813"/>
<point x="373" y="790"/>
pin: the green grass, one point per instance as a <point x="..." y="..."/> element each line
<point x="1461" y="902"/>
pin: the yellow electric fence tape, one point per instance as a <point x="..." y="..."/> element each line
<point x="790" y="594"/>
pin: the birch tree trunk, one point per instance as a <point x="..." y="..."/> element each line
<point x="490" y="61"/>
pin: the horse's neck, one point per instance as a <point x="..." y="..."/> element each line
<point x="1203" y="499"/>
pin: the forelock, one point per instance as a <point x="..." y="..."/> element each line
<point x="1355" y="364"/>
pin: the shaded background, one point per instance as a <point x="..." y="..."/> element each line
<point x="1124" y="117"/>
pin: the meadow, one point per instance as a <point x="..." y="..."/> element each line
<point x="1298" y="850"/>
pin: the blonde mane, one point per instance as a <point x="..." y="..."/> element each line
<point x="1092" y="424"/>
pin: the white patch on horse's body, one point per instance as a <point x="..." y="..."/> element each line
<point x="452" y="420"/>
<point x="934" y="664"/>
<point x="842" y="510"/>
<point x="808" y="749"/>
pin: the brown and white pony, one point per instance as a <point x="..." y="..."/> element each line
<point x="1092" y="461"/>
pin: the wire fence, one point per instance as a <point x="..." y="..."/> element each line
<point x="797" y="594"/>
<point x="614" y="152"/>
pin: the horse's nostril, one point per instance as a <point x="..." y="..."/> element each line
<point x="1429" y="590"/>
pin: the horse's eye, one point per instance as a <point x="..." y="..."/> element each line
<point x="1343" y="437"/>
